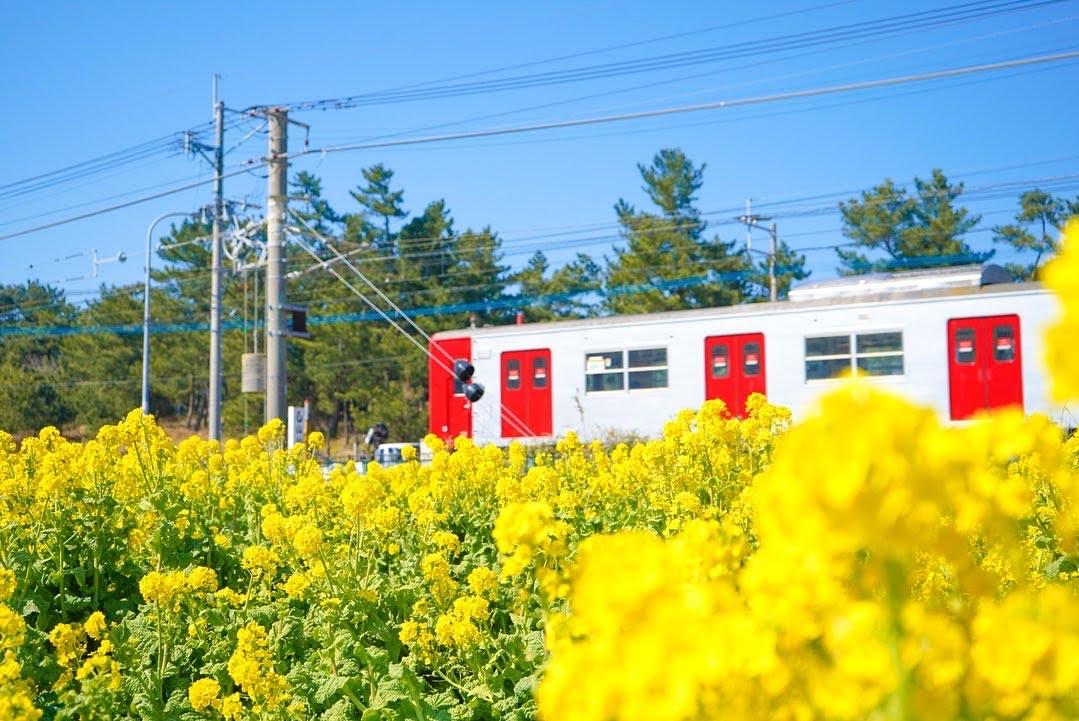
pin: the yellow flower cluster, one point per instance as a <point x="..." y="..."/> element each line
<point x="251" y="666"/>
<point x="204" y="694"/>
<point x="16" y="692"/>
<point x="260" y="561"/>
<point x="168" y="588"/>
<point x="829" y="617"/>
<point x="1062" y="276"/>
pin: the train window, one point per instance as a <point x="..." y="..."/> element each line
<point x="964" y="346"/>
<point x="827" y="357"/>
<point x="648" y="368"/>
<point x="647" y="379"/>
<point x="751" y="359"/>
<point x="603" y="372"/>
<point x="539" y="372"/>
<point x="648" y="358"/>
<point x="832" y="345"/>
<point x="1003" y="344"/>
<point x="635" y="369"/>
<point x="879" y="343"/>
<point x="879" y="354"/>
<point x="720" y="361"/>
<point x="513" y="374"/>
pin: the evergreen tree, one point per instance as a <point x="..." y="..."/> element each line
<point x="426" y="251"/>
<point x="666" y="260"/>
<point x="573" y="286"/>
<point x="1047" y="215"/>
<point x="34" y="391"/>
<point x="378" y="200"/>
<point x="924" y="228"/>
<point x="106" y="368"/>
<point x="789" y="268"/>
<point x="313" y="208"/>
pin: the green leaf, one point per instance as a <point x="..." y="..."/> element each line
<point x="328" y="688"/>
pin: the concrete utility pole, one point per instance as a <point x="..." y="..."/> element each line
<point x="216" y="274"/>
<point x="276" y="208"/>
<point x="774" y="295"/>
<point x="752" y="220"/>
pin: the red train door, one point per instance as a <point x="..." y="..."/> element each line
<point x="526" y="393"/>
<point x="450" y="413"/>
<point x="734" y="368"/>
<point x="985" y="366"/>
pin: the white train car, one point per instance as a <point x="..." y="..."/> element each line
<point x="957" y="339"/>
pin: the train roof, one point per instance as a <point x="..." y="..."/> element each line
<point x="854" y="290"/>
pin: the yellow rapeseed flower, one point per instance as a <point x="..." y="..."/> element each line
<point x="204" y="693"/>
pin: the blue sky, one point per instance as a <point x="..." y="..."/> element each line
<point x="88" y="79"/>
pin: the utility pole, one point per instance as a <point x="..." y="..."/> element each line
<point x="752" y="220"/>
<point x="276" y="208"/>
<point x="216" y="273"/>
<point x="774" y="295"/>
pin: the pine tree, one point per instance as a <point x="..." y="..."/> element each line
<point x="924" y="228"/>
<point x="666" y="262"/>
<point x="566" y="292"/>
<point x="1047" y="214"/>
<point x="378" y="200"/>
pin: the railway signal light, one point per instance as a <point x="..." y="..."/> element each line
<point x="462" y="371"/>
<point x="377" y="435"/>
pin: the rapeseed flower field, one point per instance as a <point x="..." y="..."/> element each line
<point x="868" y="563"/>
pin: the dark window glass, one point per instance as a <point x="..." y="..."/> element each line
<point x="1003" y="343"/>
<point x="648" y="379"/>
<point x="721" y="367"/>
<point x="513" y="374"/>
<point x="964" y="346"/>
<point x="828" y="345"/>
<point x="831" y="368"/>
<point x="751" y="359"/>
<point x="879" y="342"/>
<point x="647" y="358"/>
<point x="539" y="372"/>
<point x="884" y="365"/>
<point x="595" y="382"/>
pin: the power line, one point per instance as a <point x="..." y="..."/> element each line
<point x="718" y="105"/>
<point x="754" y="81"/>
<point x="596" y="51"/>
<point x="814" y="38"/>
<point x="826" y="90"/>
<point x="119" y="206"/>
